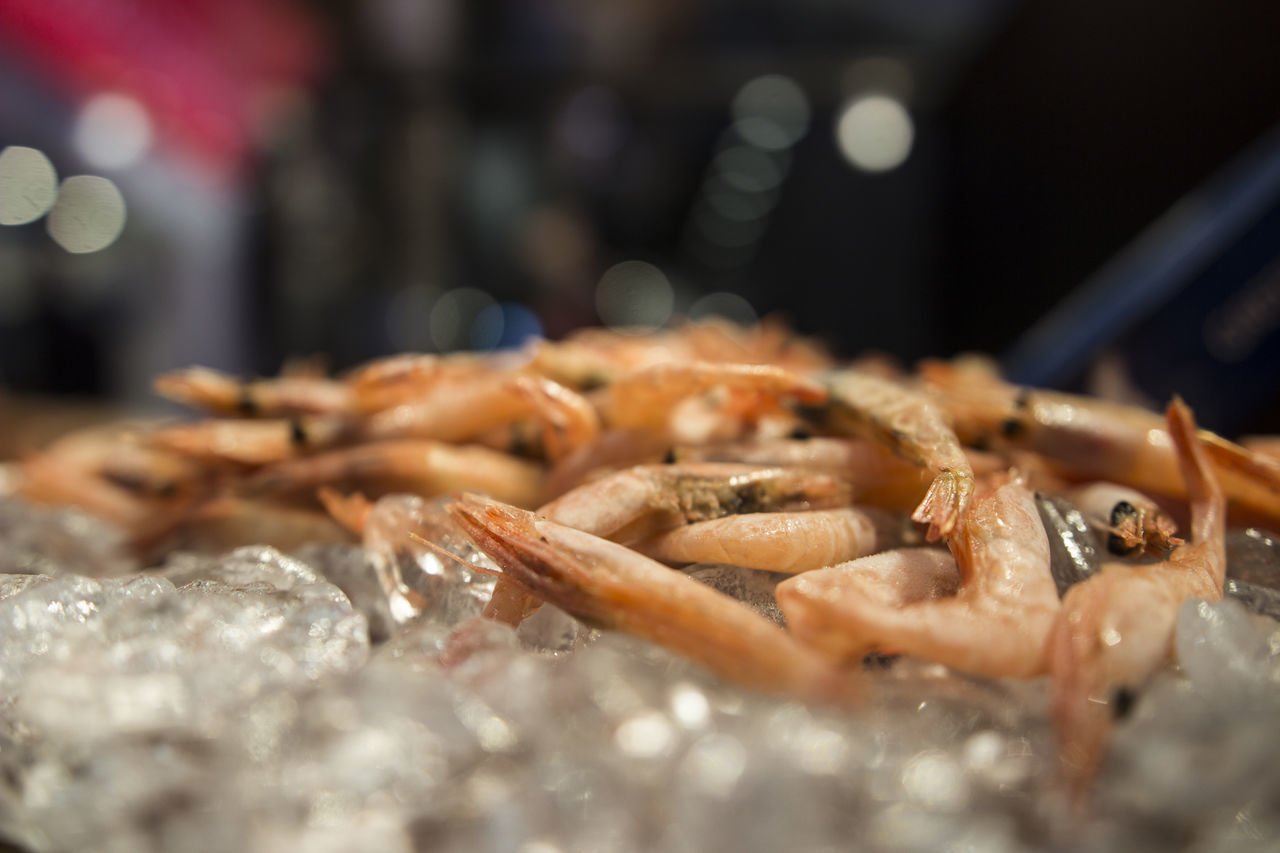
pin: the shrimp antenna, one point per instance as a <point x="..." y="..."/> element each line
<point x="452" y="557"/>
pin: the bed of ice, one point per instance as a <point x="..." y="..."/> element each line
<point x="257" y="701"/>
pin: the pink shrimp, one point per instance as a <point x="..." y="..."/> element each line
<point x="1116" y="628"/>
<point x="610" y="585"/>
<point x="788" y="542"/>
<point x="997" y="623"/>
<point x="1082" y="438"/>
<point x="221" y="393"/>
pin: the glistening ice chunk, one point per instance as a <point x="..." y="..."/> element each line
<point x="243" y="567"/>
<point x="348" y="568"/>
<point x="427" y="567"/>
<point x="1223" y="651"/>
<point x="1253" y="556"/>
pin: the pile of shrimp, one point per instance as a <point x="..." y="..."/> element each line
<point x="897" y="508"/>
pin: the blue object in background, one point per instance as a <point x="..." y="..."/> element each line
<point x="1192" y="307"/>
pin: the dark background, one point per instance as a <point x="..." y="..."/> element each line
<point x="384" y="154"/>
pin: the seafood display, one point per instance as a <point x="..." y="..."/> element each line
<point x="839" y="538"/>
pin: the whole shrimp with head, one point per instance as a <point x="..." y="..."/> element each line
<point x="1116" y="628"/>
<point x="612" y="586"/>
<point x="1082" y="438"/>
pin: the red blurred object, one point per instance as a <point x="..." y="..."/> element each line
<point x="208" y="71"/>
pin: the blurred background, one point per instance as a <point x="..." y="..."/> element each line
<point x="1089" y="191"/>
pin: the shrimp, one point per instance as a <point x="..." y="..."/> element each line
<point x="1084" y="438"/>
<point x="1264" y="445"/>
<point x="49" y="480"/>
<point x="787" y="542"/>
<point x="878" y="476"/>
<point x="254" y="442"/>
<point x="1132" y="521"/>
<point x="420" y="467"/>
<point x="607" y="584"/>
<point x="908" y="423"/>
<point x="398" y="379"/>
<point x="116" y="474"/>
<point x="461" y="410"/>
<point x="221" y="393"/>
<point x="1116" y="628"/>
<point x="996" y="624"/>
<point x="646" y="399"/>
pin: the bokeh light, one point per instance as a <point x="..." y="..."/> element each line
<point x="724" y="304"/>
<point x="113" y="131"/>
<point x="504" y="325"/>
<point x="88" y="215"/>
<point x="634" y="294"/>
<point x="771" y="112"/>
<point x="875" y="132"/>
<point x="748" y="169"/>
<point x="408" y="317"/>
<point x="28" y="185"/>
<point x="593" y="123"/>
<point x="454" y="317"/>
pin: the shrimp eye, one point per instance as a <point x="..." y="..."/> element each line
<point x="297" y="433"/>
<point x="1122" y="702"/>
<point x="817" y="413"/>
<point x="670" y="457"/>
<point x="1120" y="513"/>
<point x="247" y="405"/>
<point x="1012" y="427"/>
<point x="878" y="660"/>
<point x="800" y="433"/>
<point x="592" y="382"/>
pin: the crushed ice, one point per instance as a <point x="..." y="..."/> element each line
<point x="261" y="701"/>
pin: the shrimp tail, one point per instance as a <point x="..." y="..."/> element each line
<point x="1229" y="456"/>
<point x="1208" y="502"/>
<point x="944" y="503"/>
<point x="1081" y="718"/>
<point x="508" y="536"/>
<point x="351" y="511"/>
<point x="204" y="388"/>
